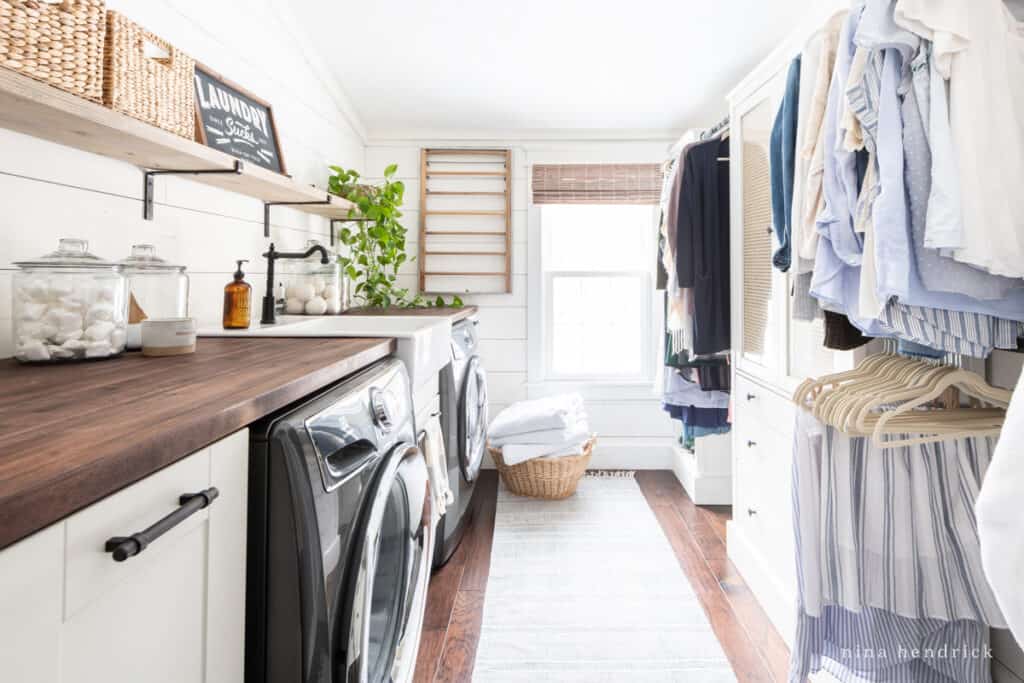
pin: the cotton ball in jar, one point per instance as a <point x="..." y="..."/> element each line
<point x="35" y="290"/>
<point x="294" y="306"/>
<point x="316" y="306"/>
<point x="334" y="305"/>
<point x="32" y="351"/>
<point x="99" y="331"/>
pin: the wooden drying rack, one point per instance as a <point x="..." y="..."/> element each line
<point x="430" y="156"/>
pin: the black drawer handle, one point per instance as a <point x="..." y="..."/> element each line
<point x="751" y="397"/>
<point x="123" y="547"/>
<point x="751" y="444"/>
<point x="751" y="512"/>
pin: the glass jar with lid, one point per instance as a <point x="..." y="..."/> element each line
<point x="311" y="287"/>
<point x="68" y="305"/>
<point x="156" y="289"/>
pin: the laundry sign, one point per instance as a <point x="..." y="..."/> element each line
<point x="235" y="121"/>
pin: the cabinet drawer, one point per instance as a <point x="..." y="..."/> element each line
<point x="756" y="405"/>
<point x="90" y="570"/>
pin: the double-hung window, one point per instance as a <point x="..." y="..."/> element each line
<point x="597" y="292"/>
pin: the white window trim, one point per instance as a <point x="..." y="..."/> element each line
<point x="539" y="383"/>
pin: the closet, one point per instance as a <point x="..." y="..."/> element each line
<point x="775" y="353"/>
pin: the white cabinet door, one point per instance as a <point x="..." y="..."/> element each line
<point x="173" y="613"/>
<point x="31" y="598"/>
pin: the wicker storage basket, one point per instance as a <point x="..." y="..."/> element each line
<point x="60" y="44"/>
<point x="156" y="88"/>
<point x="550" y="478"/>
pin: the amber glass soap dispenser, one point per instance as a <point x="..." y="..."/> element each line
<point x="237" y="297"/>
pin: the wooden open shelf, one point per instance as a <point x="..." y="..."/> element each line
<point x="34" y="108"/>
<point x="486" y="217"/>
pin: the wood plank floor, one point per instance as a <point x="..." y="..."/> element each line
<point x="697" y="535"/>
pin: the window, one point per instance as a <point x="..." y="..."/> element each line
<point x="597" y="291"/>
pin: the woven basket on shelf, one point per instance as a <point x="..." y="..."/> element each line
<point x="60" y="44"/>
<point x="156" y="88"/>
<point x="550" y="478"/>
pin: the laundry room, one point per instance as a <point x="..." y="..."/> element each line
<point x="511" y="342"/>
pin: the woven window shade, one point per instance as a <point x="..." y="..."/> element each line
<point x="597" y="183"/>
<point x="757" y="247"/>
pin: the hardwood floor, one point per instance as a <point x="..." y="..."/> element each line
<point x="697" y="535"/>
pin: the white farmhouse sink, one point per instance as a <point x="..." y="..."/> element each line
<point x="424" y="343"/>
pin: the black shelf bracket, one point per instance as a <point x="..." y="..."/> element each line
<point x="267" y="205"/>
<point x="147" y="185"/>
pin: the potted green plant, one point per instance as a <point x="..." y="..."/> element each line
<point x="375" y="239"/>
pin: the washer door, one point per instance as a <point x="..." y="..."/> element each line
<point x="472" y="419"/>
<point x="387" y="597"/>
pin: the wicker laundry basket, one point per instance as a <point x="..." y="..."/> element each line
<point x="550" y="478"/>
<point x="58" y="43"/>
<point x="147" y="78"/>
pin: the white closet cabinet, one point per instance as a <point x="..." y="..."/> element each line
<point x="772" y="353"/>
<point x="174" y="613"/>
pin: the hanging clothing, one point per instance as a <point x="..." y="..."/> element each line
<point x="840" y="335"/>
<point x="1000" y="522"/>
<point x="888" y="558"/>
<point x="712" y="418"/>
<point x="702" y="256"/>
<point x="783" y="165"/>
<point x="681" y="392"/>
<point x="979" y="49"/>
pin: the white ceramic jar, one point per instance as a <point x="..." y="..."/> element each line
<point x="68" y="305"/>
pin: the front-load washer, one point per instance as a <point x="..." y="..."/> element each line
<point x="464" y="421"/>
<point x="340" y="536"/>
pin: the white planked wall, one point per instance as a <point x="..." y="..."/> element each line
<point x="633" y="431"/>
<point x="50" y="191"/>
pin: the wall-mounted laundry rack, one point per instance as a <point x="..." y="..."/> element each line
<point x="465" y="239"/>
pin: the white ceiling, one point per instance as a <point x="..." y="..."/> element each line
<point x="457" y="66"/>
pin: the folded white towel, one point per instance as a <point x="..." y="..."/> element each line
<point x="513" y="454"/>
<point x="552" y="412"/>
<point x="547" y="437"/>
<point x="437" y="469"/>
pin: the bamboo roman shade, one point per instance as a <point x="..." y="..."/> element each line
<point x="596" y="183"/>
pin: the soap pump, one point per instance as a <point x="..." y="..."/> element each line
<point x="237" y="300"/>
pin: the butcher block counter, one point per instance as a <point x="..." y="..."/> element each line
<point x="73" y="434"/>
<point x="456" y="313"/>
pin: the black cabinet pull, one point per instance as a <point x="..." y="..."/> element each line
<point x="123" y="547"/>
<point x="751" y="444"/>
<point x="751" y="397"/>
<point x="751" y="512"/>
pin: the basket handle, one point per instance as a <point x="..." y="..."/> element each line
<point x="65" y="5"/>
<point x="156" y="50"/>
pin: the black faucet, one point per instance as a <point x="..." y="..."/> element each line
<point x="269" y="316"/>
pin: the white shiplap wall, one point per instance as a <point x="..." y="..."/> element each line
<point x="633" y="431"/>
<point x="49" y="191"/>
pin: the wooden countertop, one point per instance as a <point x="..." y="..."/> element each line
<point x="73" y="434"/>
<point x="456" y="314"/>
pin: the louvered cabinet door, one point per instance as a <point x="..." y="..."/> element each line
<point x="760" y="319"/>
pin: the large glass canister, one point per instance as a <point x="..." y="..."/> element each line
<point x="312" y="287"/>
<point x="156" y="289"/>
<point x="68" y="305"/>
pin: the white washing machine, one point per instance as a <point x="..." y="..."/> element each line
<point x="464" y="422"/>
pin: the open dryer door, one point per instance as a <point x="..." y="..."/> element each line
<point x="473" y="419"/>
<point x="387" y="596"/>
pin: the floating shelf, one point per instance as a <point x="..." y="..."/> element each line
<point x="34" y="108"/>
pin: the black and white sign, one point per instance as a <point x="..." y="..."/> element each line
<point x="236" y="122"/>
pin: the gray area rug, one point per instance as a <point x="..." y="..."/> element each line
<point x="589" y="589"/>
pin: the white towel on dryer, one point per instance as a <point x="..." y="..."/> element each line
<point x="437" y="469"/>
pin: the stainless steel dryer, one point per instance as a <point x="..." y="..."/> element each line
<point x="464" y="421"/>
<point x="340" y="539"/>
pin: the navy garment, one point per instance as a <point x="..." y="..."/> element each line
<point x="702" y="246"/>
<point x="783" y="164"/>
<point x="709" y="418"/>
